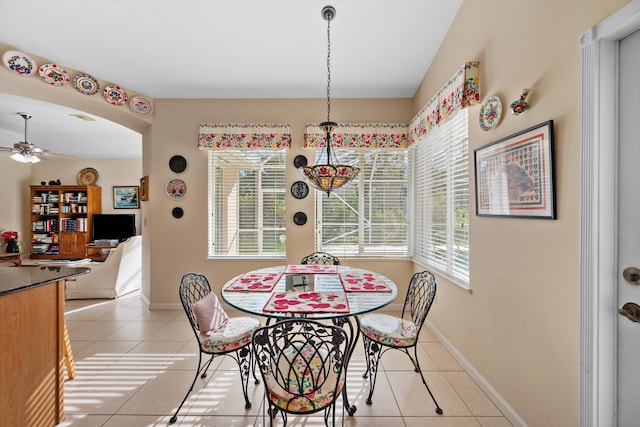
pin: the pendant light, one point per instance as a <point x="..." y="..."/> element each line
<point x="331" y="175"/>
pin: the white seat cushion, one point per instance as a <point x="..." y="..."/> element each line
<point x="389" y="330"/>
<point x="235" y="333"/>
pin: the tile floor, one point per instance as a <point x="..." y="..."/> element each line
<point x="134" y="367"/>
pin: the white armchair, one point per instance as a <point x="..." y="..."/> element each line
<point x="119" y="274"/>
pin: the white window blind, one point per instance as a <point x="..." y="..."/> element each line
<point x="369" y="215"/>
<point x="440" y="170"/>
<point x="247" y="203"/>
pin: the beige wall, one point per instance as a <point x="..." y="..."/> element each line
<point x="519" y="325"/>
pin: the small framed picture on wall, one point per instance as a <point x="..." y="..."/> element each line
<point x="126" y="197"/>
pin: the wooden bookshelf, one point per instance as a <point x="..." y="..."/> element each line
<point x="61" y="219"/>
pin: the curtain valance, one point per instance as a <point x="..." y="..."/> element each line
<point x="461" y="91"/>
<point x="358" y="135"/>
<point x="213" y="136"/>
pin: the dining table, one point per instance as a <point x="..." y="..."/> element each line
<point x="337" y="293"/>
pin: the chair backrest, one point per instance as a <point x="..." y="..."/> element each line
<point x="420" y="296"/>
<point x="193" y="288"/>
<point x="302" y="363"/>
<point x="320" y="258"/>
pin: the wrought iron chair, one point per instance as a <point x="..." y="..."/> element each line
<point x="216" y="333"/>
<point x="382" y="332"/>
<point x="303" y="367"/>
<point x="323" y="258"/>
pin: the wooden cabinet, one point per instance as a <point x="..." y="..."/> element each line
<point x="61" y="219"/>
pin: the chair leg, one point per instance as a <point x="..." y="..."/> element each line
<point x="372" y="351"/>
<point x="416" y="363"/>
<point x="195" y="378"/>
<point x="243" y="357"/>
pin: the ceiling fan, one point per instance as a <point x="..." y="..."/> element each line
<point x="25" y="152"/>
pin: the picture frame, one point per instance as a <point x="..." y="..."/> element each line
<point x="126" y="197"/>
<point x="144" y="188"/>
<point x="515" y="175"/>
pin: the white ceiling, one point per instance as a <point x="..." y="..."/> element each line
<point x="217" y="49"/>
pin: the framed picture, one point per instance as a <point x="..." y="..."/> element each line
<point x="144" y="188"/>
<point x="515" y="175"/>
<point x="126" y="197"/>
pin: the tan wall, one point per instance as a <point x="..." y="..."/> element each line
<point x="180" y="245"/>
<point x="519" y="326"/>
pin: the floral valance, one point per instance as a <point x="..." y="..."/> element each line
<point x="214" y="136"/>
<point x="461" y="91"/>
<point x="357" y="135"/>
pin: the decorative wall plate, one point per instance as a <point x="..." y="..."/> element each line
<point x="53" y="74"/>
<point x="300" y="161"/>
<point x="141" y="105"/>
<point x="86" y="84"/>
<point x="299" y="189"/>
<point x="87" y="176"/>
<point x="19" y="63"/>
<point x="177" y="212"/>
<point x="115" y="95"/>
<point x="490" y="113"/>
<point x="177" y="164"/>
<point x="300" y="218"/>
<point x="176" y="189"/>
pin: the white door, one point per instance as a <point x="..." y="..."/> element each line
<point x="628" y="339"/>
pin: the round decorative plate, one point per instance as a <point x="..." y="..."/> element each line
<point x="87" y="176"/>
<point x="53" y="74"/>
<point x="300" y="218"/>
<point x="115" y="95"/>
<point x="300" y="161"/>
<point x="176" y="189"/>
<point x="177" y="212"/>
<point x="299" y="189"/>
<point x="490" y="113"/>
<point x="140" y="105"/>
<point x="19" y="62"/>
<point x="86" y="84"/>
<point x="177" y="164"/>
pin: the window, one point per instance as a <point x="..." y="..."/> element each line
<point x="247" y="203"/>
<point x="440" y="197"/>
<point x="369" y="215"/>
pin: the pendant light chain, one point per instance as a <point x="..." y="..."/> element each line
<point x="329" y="17"/>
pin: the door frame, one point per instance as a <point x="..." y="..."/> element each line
<point x="598" y="214"/>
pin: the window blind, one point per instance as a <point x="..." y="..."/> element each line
<point x="369" y="215"/>
<point x="440" y="198"/>
<point x="247" y="203"/>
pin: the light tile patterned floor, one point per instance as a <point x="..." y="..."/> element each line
<point x="134" y="367"/>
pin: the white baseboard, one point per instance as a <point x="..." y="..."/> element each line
<point x="491" y="392"/>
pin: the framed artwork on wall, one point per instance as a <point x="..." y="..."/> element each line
<point x="126" y="197"/>
<point x="144" y="188"/>
<point x="515" y="175"/>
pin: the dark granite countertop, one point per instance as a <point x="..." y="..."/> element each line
<point x="16" y="279"/>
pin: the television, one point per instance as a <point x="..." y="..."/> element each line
<point x="113" y="226"/>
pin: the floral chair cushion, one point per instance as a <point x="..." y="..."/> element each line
<point x="389" y="330"/>
<point x="309" y="387"/>
<point x="234" y="334"/>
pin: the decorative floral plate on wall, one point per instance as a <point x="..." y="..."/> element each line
<point x="53" y="74"/>
<point x="19" y="63"/>
<point x="115" y="95"/>
<point x="176" y="189"/>
<point x="86" y="84"/>
<point x="490" y="113"/>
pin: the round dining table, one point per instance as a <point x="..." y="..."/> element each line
<point x="359" y="291"/>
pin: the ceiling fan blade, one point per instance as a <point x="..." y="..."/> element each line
<point x="47" y="155"/>
<point x="6" y="149"/>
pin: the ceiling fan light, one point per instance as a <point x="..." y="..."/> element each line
<point x="25" y="158"/>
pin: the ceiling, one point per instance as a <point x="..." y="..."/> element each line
<point x="216" y="49"/>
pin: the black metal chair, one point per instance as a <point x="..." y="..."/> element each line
<point x="382" y="332"/>
<point x="303" y="367"/>
<point x="321" y="258"/>
<point x="227" y="336"/>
